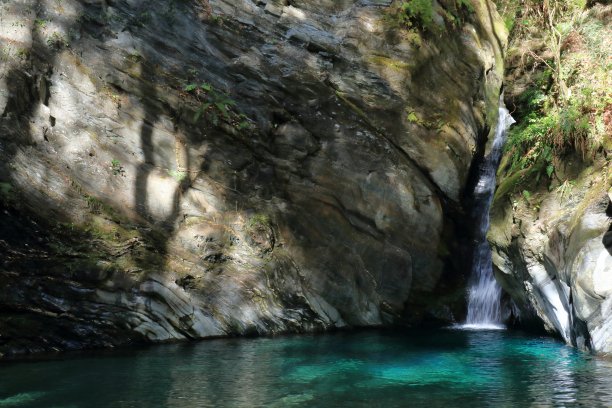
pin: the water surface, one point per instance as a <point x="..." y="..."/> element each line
<point x="450" y="368"/>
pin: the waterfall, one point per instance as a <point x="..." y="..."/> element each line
<point x="484" y="302"/>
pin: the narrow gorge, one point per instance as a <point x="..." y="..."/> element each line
<point x="169" y="173"/>
<point x="432" y="174"/>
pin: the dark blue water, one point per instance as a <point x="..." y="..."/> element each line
<point x="438" y="368"/>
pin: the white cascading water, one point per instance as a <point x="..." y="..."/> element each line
<point x="484" y="303"/>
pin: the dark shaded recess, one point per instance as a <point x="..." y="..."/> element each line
<point x="591" y="3"/>
<point x="467" y="225"/>
<point x="40" y="262"/>
<point x="579" y="331"/>
<point x="607" y="238"/>
<point x="527" y="321"/>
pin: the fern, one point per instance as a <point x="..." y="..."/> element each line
<point x="420" y="11"/>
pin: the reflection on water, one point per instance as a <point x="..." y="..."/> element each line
<point x="368" y="369"/>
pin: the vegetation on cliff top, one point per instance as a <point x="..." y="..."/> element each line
<point x="417" y="17"/>
<point x="421" y="13"/>
<point x="559" y="88"/>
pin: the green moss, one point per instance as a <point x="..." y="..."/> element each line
<point x="178" y="175"/>
<point x="195" y="220"/>
<point x="97" y="206"/>
<point x="600" y="187"/>
<point x="109" y="230"/>
<point x="416" y="118"/>
<point x="354" y="108"/>
<point x="257" y="221"/>
<point x="41" y="23"/>
<point x="389" y="63"/>
<point x="6" y="190"/>
<point x="510" y="183"/>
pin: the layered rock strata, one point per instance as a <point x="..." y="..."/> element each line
<point x="171" y="173"/>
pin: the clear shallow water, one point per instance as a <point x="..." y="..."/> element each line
<point x="450" y="368"/>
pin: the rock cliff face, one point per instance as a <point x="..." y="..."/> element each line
<point x="171" y="173"/>
<point x="553" y="255"/>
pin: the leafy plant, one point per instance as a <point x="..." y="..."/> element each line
<point x="413" y="118"/>
<point x="41" y="23"/>
<point x="217" y="19"/>
<point x="466" y="4"/>
<point x="116" y="168"/>
<point x="178" y="175"/>
<point x="526" y="195"/>
<point x="94" y="204"/>
<point x="213" y="102"/>
<point x="57" y="41"/>
<point x="565" y="189"/>
<point x="419" y="12"/>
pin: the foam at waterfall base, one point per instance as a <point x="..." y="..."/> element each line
<point x="477" y="326"/>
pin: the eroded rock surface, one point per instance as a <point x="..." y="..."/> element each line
<point x="170" y="174"/>
<point x="553" y="254"/>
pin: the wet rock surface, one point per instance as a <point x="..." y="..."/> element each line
<point x="168" y="173"/>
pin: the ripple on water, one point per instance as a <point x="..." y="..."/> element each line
<point x="20" y="399"/>
<point x="458" y="368"/>
<point x="310" y="372"/>
<point x="440" y="370"/>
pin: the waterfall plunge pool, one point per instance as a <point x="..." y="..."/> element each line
<point x="374" y="368"/>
